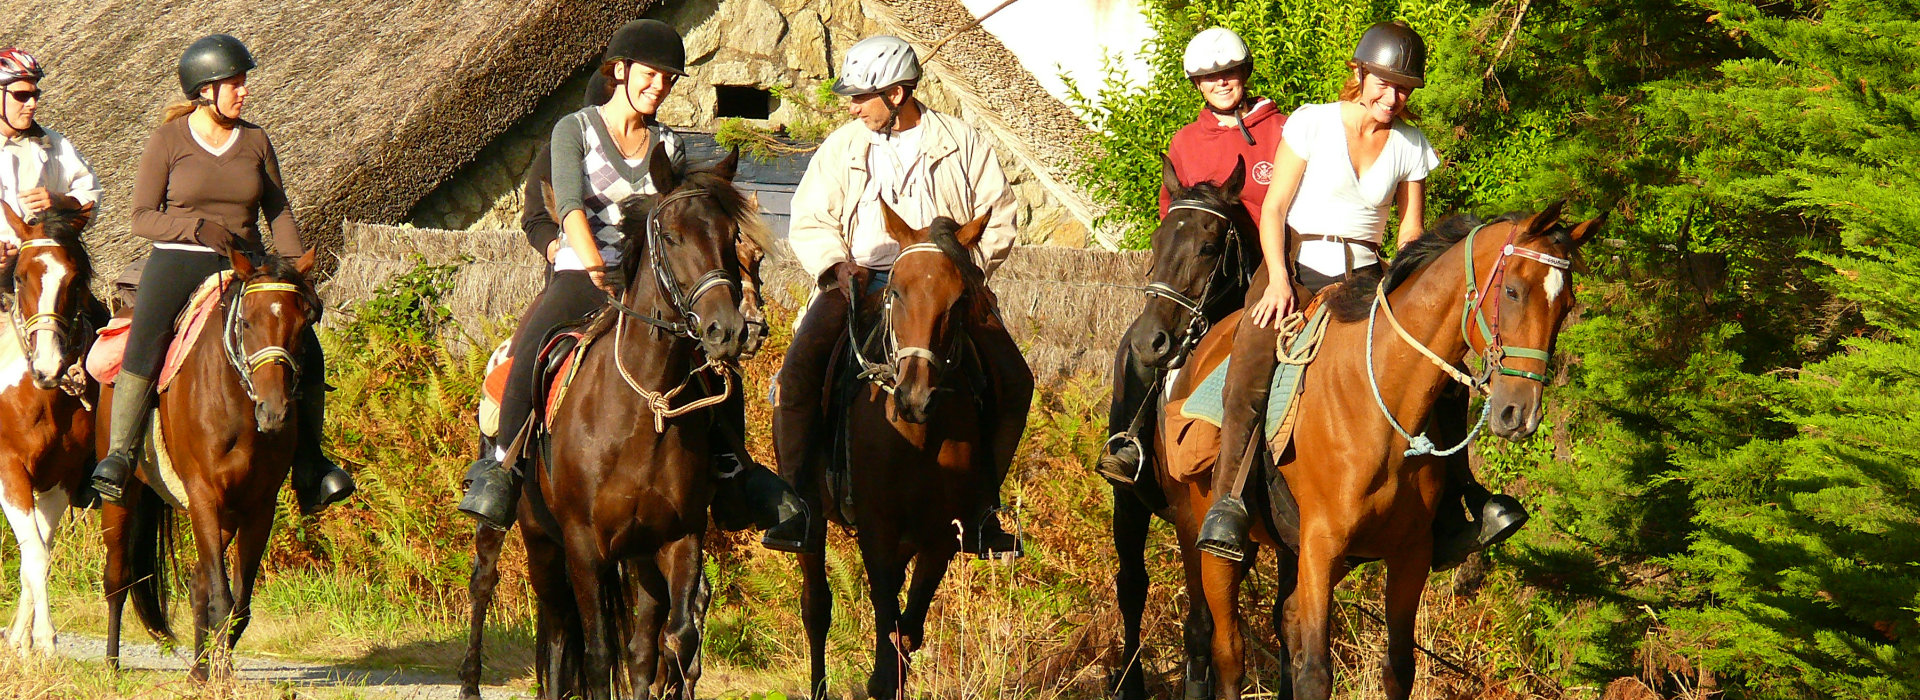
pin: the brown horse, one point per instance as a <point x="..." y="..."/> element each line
<point x="1362" y="492"/>
<point x="227" y="425"/>
<point x="914" y="471"/>
<point x="45" y="402"/>
<point x="615" y="513"/>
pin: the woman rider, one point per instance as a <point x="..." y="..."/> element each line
<point x="204" y="180"/>
<point x="599" y="157"/>
<point x="1341" y="169"/>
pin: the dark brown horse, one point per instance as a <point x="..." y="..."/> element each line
<point x="615" y="512"/>
<point x="227" y="426"/>
<point x="1203" y="252"/>
<point x="45" y="402"/>
<point x="914" y="469"/>
<point x="488" y="542"/>
<point x="1361" y="492"/>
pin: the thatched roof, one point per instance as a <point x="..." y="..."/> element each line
<point x="370" y="104"/>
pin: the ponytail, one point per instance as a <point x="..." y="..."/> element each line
<point x="180" y="109"/>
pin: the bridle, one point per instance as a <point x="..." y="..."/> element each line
<point x="245" y="363"/>
<point x="886" y="375"/>
<point x="1232" y="261"/>
<point x="1476" y="312"/>
<point x="63" y="328"/>
<point x="680" y="302"/>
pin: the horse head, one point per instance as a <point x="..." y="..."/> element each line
<point x="50" y="281"/>
<point x="1518" y="308"/>
<point x="269" y="306"/>
<point x="690" y="232"/>
<point x="1203" y="251"/>
<point x="934" y="288"/>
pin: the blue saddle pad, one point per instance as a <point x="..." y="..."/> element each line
<point x="1208" y="400"/>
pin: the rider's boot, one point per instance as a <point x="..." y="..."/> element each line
<point x="777" y="508"/>
<point x="794" y="423"/>
<point x="132" y="407"/>
<point x="1120" y="463"/>
<point x="493" y="492"/>
<point x="1249" y="379"/>
<point x="1224" y="531"/>
<point x="317" y="481"/>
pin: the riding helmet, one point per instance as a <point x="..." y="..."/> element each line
<point x="210" y="58"/>
<point x="875" y="64"/>
<point x="1393" y="51"/>
<point x="648" y="42"/>
<point x="1214" y="50"/>
<point x="19" y="65"/>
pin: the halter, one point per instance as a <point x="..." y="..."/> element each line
<point x="681" y="302"/>
<point x="1197" y="323"/>
<point x="246" y="364"/>
<point x="884" y="375"/>
<point x="1488" y="321"/>
<point x="61" y="326"/>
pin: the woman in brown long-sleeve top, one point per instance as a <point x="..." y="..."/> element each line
<point x="205" y="179"/>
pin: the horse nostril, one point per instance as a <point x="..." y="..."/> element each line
<point x="1161" y="342"/>
<point x="1510" y="416"/>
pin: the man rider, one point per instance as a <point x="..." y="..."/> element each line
<point x="923" y="164"/>
<point x="39" y="168"/>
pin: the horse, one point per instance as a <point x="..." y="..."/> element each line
<point x="615" y="509"/>
<point x="227" y="424"/>
<point x="1203" y="253"/>
<point x="1359" y="486"/>
<point x="914" y="472"/>
<point x="488" y="542"/>
<point x="46" y="402"/>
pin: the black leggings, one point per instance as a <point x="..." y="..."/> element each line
<point x="569" y="296"/>
<point x="167" y="284"/>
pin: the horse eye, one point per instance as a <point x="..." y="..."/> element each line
<point x="1513" y="293"/>
<point x="1210" y="249"/>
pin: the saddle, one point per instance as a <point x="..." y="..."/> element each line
<point x="1193" y="424"/>
<point x="559" y="362"/>
<point x="110" y="346"/>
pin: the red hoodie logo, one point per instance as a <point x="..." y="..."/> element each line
<point x="1263" y="172"/>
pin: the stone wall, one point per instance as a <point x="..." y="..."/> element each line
<point x="783" y="46"/>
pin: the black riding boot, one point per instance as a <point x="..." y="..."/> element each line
<point x="317" y="481"/>
<point x="777" y="509"/>
<point x="132" y="407"/>
<point x="988" y="540"/>
<point x="1224" y="531"/>
<point x="493" y="493"/>
<point x="1121" y="462"/>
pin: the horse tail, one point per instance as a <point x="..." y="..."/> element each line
<point x="618" y="618"/>
<point x="152" y="537"/>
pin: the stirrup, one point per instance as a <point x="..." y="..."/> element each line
<point x="1113" y="467"/>
<point x="988" y="540"/>
<point x="109" y="477"/>
<point x="493" y="494"/>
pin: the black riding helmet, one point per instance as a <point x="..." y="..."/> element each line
<point x="1393" y="51"/>
<point x="210" y="58"/>
<point x="648" y="42"/>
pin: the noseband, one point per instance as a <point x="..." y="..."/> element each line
<point x="244" y="363"/>
<point x="1197" y="323"/>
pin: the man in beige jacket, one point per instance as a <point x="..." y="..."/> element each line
<point x="923" y="165"/>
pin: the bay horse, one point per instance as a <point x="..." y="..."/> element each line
<point x="227" y="424"/>
<point x="914" y="469"/>
<point x="1363" y="487"/>
<point x="46" y="404"/>
<point x="488" y="542"/>
<point x="1204" y="251"/>
<point x="614" y="514"/>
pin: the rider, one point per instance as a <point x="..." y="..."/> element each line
<point x="598" y="159"/>
<point x="1341" y="169"/>
<point x="39" y="168"/>
<point x="1232" y="129"/>
<point x="923" y="164"/>
<point x="202" y="184"/>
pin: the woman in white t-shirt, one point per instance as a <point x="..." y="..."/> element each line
<point x="1341" y="170"/>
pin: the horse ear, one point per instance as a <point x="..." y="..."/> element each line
<point x="729" y="166"/>
<point x="242" y="265"/>
<point x="969" y="234"/>
<point x="1238" y="179"/>
<point x="1170" y="179"/>
<point x="660" y="168"/>
<point x="1584" y="231"/>
<point x="305" y="264"/>
<point x="82" y="216"/>
<point x="897" y="227"/>
<point x="13" y="220"/>
<point x="1539" y="223"/>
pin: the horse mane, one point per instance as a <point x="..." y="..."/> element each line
<point x="280" y="268"/>
<point x="1351" y="300"/>
<point x="941" y="233"/>
<point x="64" y="227"/>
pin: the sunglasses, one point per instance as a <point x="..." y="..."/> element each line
<point x="24" y="96"/>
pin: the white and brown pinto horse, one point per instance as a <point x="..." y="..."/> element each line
<point x="46" y="403"/>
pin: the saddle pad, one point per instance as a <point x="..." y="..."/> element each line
<point x="493" y="390"/>
<point x="157" y="470"/>
<point x="1208" y="400"/>
<point x="110" y="345"/>
<point x="1193" y="445"/>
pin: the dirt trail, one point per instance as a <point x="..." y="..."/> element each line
<point x="318" y="680"/>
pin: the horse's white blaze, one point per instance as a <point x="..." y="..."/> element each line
<point x="1556" y="281"/>
<point x="13" y="363"/>
<point x="34" y="529"/>
<point x="46" y="346"/>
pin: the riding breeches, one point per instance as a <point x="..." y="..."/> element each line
<point x="569" y="296"/>
<point x="1250" y="377"/>
<point x="166" y="286"/>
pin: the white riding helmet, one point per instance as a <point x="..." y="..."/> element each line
<point x="875" y="64"/>
<point x="1214" y="50"/>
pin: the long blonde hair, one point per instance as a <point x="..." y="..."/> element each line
<point x="180" y="109"/>
<point x="1355" y="80"/>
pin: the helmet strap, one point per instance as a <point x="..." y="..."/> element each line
<point x="893" y="113"/>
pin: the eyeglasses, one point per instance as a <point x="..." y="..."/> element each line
<point x="24" y="96"/>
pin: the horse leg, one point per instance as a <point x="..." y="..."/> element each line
<point x="681" y="561"/>
<point x="649" y="616"/>
<point x="1286" y="577"/>
<point x="1220" y="581"/>
<point x="556" y="649"/>
<point x="1406" y="581"/>
<point x="1312" y="602"/>
<point x="33" y="527"/>
<point x="928" y="570"/>
<point x="886" y="573"/>
<point x="250" y="546"/>
<point x="213" y="602"/>
<point x="1130" y="521"/>
<point x="585" y="573"/>
<point x="1198" y="630"/>
<point x="487" y="543"/>
<point x="816" y="612"/>
<point x="116" y="529"/>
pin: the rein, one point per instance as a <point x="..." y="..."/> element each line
<point x="245" y="364"/>
<point x="61" y="326"/>
<point x="1475" y="310"/>
<point x="680" y="302"/>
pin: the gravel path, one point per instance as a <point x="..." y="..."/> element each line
<point x="322" y="680"/>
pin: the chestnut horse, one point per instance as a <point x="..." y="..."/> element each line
<point x="1364" y="489"/>
<point x="45" y="401"/>
<point x="1203" y="252"/>
<point x="615" y="512"/>
<point x="228" y="426"/>
<point x="914" y="469"/>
